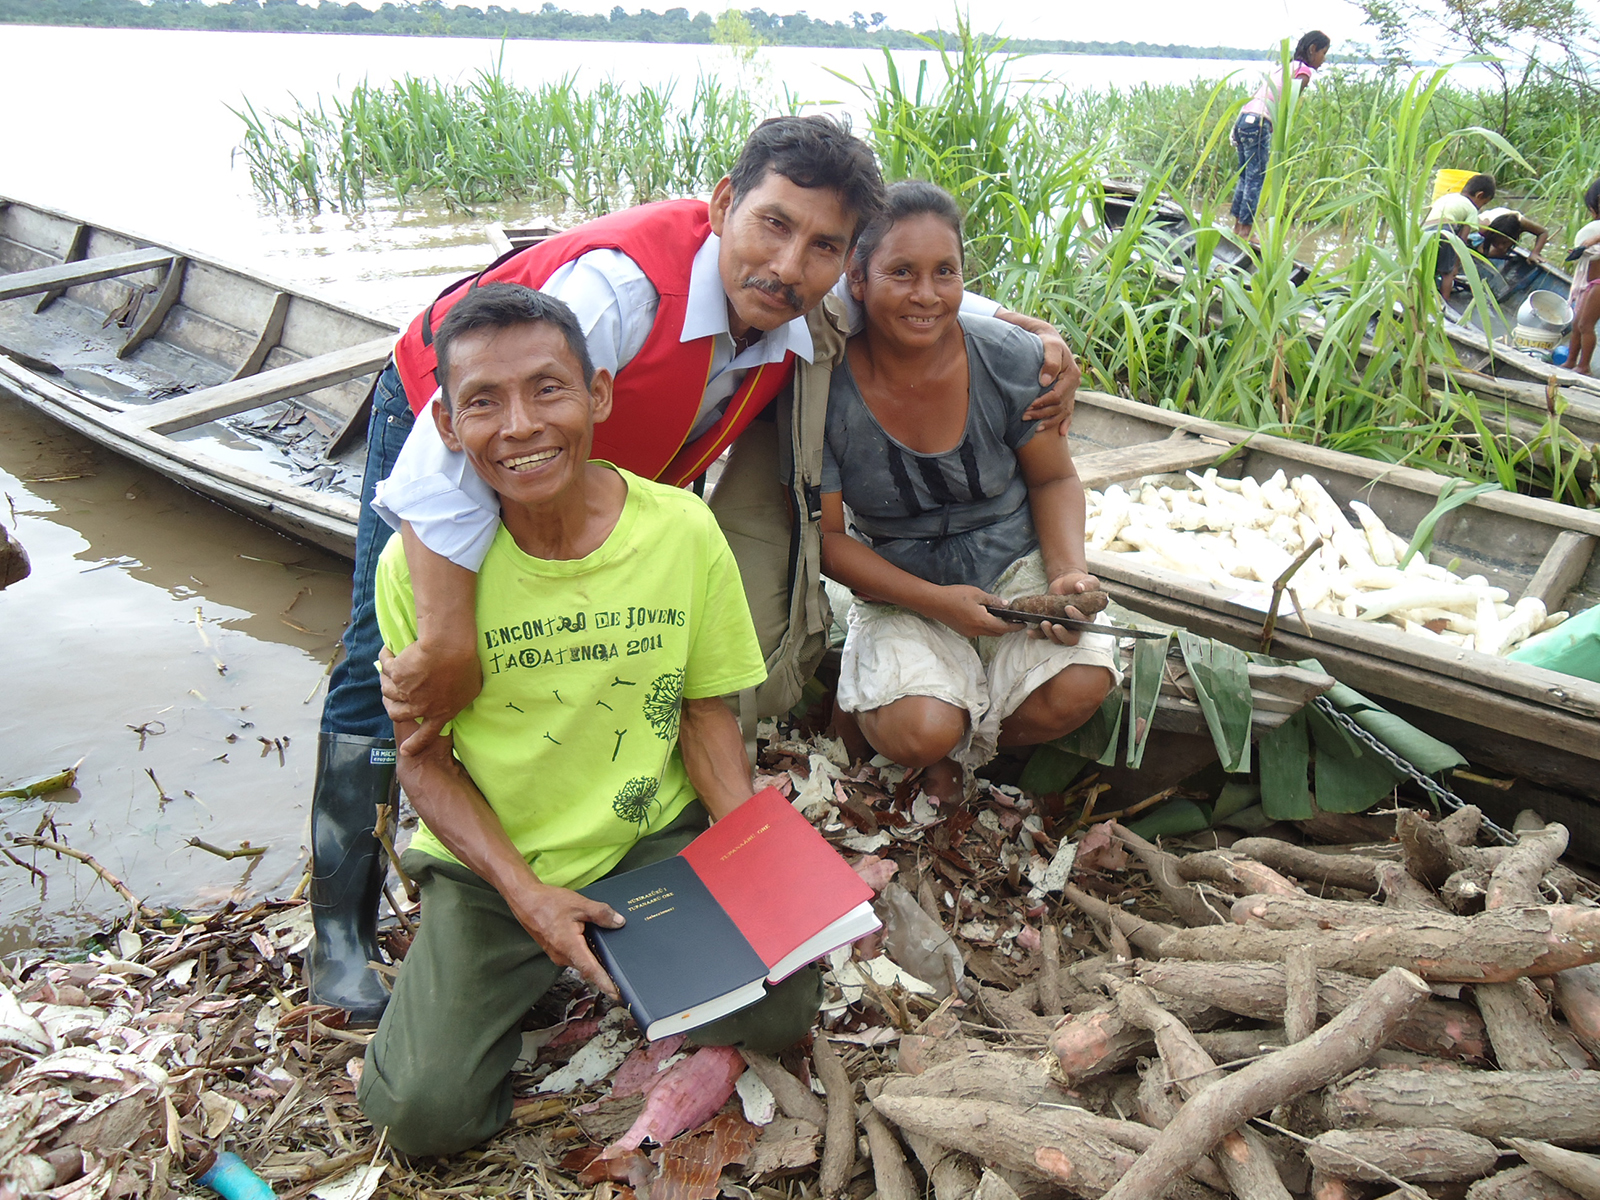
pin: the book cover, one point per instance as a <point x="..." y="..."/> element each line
<point x="749" y="902"/>
<point x="780" y="881"/>
<point x="679" y="954"/>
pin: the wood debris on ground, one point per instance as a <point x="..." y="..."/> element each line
<point x="1055" y="1007"/>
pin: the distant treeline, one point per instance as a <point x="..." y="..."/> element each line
<point x="432" y="18"/>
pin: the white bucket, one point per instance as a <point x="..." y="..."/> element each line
<point x="1525" y="337"/>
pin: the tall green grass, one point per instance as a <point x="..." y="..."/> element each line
<point x="1352" y="356"/>
<point x="487" y="140"/>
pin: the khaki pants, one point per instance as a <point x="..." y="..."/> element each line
<point x="752" y="508"/>
<point x="438" y="1070"/>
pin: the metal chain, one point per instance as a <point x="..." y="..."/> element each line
<point x="1435" y="790"/>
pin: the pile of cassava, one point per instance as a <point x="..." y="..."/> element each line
<point x="1055" y="1007"/>
<point x="1233" y="533"/>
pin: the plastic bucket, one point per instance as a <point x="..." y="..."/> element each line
<point x="1447" y="181"/>
<point x="1525" y="337"/>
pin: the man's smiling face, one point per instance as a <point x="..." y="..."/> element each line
<point x="783" y="247"/>
<point x="517" y="405"/>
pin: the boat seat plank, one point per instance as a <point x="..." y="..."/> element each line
<point x="150" y="323"/>
<point x="88" y="270"/>
<point x="1562" y="568"/>
<point x="75" y="252"/>
<point x="1181" y="453"/>
<point x="271" y="332"/>
<point x="281" y="383"/>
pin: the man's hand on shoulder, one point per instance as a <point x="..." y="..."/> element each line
<point x="1060" y="373"/>
<point x="425" y="686"/>
<point x="554" y="917"/>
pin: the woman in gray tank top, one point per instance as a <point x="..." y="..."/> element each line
<point x="938" y="499"/>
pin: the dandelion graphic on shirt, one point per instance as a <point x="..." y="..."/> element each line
<point x="664" y="704"/>
<point x="634" y="800"/>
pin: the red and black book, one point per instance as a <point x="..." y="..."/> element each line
<point x="746" y="904"/>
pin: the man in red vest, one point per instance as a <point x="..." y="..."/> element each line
<point x="704" y="314"/>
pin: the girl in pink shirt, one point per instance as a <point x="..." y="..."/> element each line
<point x="1252" y="134"/>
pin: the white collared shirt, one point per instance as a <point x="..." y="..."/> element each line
<point x="456" y="514"/>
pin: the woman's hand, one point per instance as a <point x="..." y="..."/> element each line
<point x="1068" y="583"/>
<point x="554" y="917"/>
<point x="962" y="609"/>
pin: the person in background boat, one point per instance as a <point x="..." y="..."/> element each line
<point x="704" y="314"/>
<point x="1457" y="213"/>
<point x="1501" y="229"/>
<point x="939" y="497"/>
<point x="593" y="747"/>
<point x="1252" y="132"/>
<point x="1585" y="295"/>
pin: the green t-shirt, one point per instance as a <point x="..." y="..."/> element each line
<point x="1452" y="208"/>
<point x="574" y="739"/>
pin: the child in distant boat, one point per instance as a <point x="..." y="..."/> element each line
<point x="1252" y="133"/>
<point x="1501" y="229"/>
<point x="1585" y="296"/>
<point x="1457" y="213"/>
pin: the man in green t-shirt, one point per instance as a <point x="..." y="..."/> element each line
<point x="611" y="621"/>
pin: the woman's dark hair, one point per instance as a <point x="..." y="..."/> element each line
<point x="502" y="306"/>
<point x="812" y="152"/>
<point x="1315" y="40"/>
<point x="906" y="199"/>
<point x="1507" y="225"/>
<point x="1482" y="184"/>
<point x="1591" y="197"/>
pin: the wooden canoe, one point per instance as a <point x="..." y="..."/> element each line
<point x="1539" y="724"/>
<point x="245" y="390"/>
<point x="1487" y="363"/>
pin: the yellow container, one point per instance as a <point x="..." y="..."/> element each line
<point x="1446" y="181"/>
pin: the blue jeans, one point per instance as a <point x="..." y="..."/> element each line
<point x="355" y="703"/>
<point x="1253" y="138"/>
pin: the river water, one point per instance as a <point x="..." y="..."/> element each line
<point x="177" y="648"/>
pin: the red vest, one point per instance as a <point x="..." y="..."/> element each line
<point x="657" y="395"/>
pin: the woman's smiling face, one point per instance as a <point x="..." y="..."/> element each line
<point x="911" y="289"/>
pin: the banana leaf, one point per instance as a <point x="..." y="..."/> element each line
<point x="1050" y="770"/>
<point x="1222" y="682"/>
<point x="1349" y="779"/>
<point x="1172" y="819"/>
<point x="1149" y="668"/>
<point x="1428" y="754"/>
<point x="1285" y="765"/>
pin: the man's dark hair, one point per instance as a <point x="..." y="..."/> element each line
<point x="502" y="306"/>
<point x="1507" y="225"/>
<point x="812" y="152"/>
<point x="1479" y="185"/>
<point x="1591" y="197"/>
<point x="1315" y="40"/>
<point x="904" y="200"/>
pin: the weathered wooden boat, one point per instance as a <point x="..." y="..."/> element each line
<point x="247" y="391"/>
<point x="1534" y="723"/>
<point x="1487" y="362"/>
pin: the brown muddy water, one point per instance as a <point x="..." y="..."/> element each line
<point x="150" y="608"/>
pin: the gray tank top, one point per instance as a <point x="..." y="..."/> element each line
<point x="957" y="517"/>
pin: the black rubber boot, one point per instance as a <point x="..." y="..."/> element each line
<point x="354" y="776"/>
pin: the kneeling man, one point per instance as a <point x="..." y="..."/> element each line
<point x="610" y="622"/>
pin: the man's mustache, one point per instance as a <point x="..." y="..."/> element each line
<point x="773" y="287"/>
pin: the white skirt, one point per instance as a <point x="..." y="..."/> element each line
<point x="891" y="652"/>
